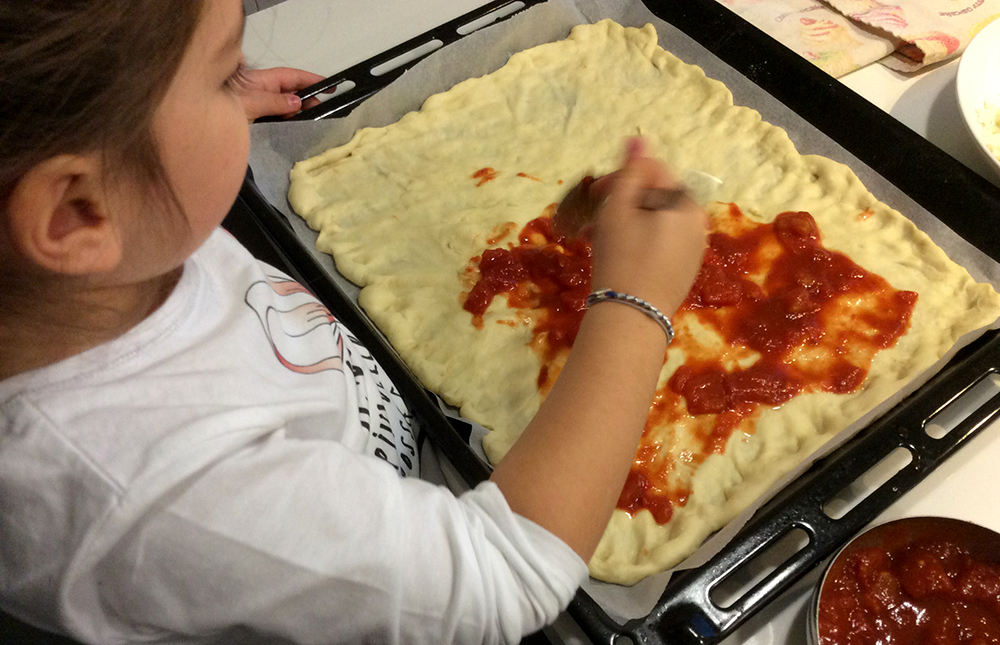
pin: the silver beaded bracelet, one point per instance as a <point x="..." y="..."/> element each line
<point x="608" y="295"/>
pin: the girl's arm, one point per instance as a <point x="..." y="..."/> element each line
<point x="567" y="470"/>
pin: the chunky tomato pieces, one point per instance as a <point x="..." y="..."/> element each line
<point x="927" y="592"/>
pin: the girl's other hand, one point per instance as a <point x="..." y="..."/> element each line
<point x="271" y="92"/>
<point x="653" y="255"/>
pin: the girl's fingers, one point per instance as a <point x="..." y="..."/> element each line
<point x="271" y="92"/>
<point x="649" y="237"/>
<point x="282" y="80"/>
<point x="257" y="104"/>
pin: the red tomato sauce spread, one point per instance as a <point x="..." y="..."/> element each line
<point x="775" y="290"/>
<point x="794" y="316"/>
<point x="929" y="591"/>
<point x="545" y="272"/>
<point x="484" y="175"/>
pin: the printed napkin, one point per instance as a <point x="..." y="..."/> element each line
<point x="840" y="36"/>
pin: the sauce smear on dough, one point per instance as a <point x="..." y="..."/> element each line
<point x="787" y="316"/>
<point x="775" y="290"/>
<point x="544" y="272"/>
<point x="484" y="175"/>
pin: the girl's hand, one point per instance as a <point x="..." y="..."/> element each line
<point x="653" y="255"/>
<point x="271" y="92"/>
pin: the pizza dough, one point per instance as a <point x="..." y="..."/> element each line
<point x="404" y="208"/>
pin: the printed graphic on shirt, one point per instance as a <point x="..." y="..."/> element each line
<point x="306" y="338"/>
<point x="298" y="327"/>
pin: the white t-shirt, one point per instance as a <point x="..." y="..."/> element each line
<point x="230" y="469"/>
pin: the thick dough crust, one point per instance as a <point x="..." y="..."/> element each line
<point x="400" y="211"/>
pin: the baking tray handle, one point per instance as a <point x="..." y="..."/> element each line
<point x="366" y="78"/>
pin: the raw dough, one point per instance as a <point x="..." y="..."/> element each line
<point x="403" y="208"/>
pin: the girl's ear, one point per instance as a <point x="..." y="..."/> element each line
<point x="60" y="220"/>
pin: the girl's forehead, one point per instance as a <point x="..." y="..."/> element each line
<point x="220" y="29"/>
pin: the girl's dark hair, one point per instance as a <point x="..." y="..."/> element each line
<point x="86" y="76"/>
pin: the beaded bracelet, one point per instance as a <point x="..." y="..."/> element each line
<point x="608" y="295"/>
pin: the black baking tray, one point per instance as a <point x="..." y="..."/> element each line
<point x="970" y="205"/>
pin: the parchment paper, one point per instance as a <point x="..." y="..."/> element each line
<point x="276" y="147"/>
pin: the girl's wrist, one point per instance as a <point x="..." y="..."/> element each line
<point x="644" y="307"/>
<point x="664" y="288"/>
<point x="623" y="328"/>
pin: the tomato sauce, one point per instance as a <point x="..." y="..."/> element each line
<point x="642" y="491"/>
<point x="775" y="290"/>
<point x="484" y="175"/>
<point x="543" y="271"/>
<point x="927" y="591"/>
<point x="794" y="317"/>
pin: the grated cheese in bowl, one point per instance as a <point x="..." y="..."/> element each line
<point x="989" y="119"/>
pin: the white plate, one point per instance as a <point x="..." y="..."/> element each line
<point x="978" y="81"/>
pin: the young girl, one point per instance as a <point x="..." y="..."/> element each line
<point x="186" y="454"/>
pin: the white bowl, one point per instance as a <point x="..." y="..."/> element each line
<point x="978" y="81"/>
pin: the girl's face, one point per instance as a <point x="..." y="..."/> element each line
<point x="202" y="134"/>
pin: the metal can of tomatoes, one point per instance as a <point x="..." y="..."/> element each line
<point x="914" y="580"/>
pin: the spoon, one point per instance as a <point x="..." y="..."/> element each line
<point x="579" y="207"/>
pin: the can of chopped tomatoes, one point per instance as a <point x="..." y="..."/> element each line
<point x="914" y="580"/>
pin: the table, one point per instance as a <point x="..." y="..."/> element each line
<point x="326" y="37"/>
<point x="926" y="102"/>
